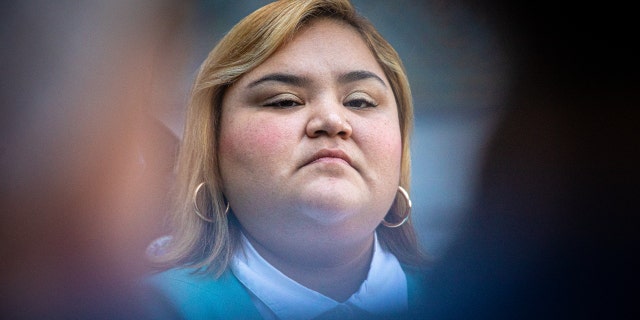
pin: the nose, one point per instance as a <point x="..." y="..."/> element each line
<point x="329" y="119"/>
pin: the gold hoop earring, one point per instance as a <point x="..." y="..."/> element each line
<point x="197" y="209"/>
<point x="404" y="193"/>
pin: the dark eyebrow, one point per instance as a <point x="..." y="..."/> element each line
<point x="303" y="81"/>
<point x="281" y="77"/>
<point x="359" y="75"/>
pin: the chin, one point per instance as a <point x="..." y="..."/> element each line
<point x="333" y="202"/>
<point x="332" y="210"/>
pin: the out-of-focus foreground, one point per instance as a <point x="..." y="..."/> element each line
<point x="84" y="162"/>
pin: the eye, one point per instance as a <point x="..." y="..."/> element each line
<point x="283" y="102"/>
<point x="360" y="100"/>
<point x="360" y="104"/>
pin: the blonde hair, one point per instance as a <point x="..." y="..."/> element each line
<point x="209" y="246"/>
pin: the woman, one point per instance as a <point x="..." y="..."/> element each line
<point x="292" y="174"/>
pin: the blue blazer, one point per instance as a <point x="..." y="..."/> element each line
<point x="181" y="294"/>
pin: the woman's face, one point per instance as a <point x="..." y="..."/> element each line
<point x="310" y="144"/>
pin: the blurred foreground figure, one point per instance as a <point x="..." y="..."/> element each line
<point x="554" y="232"/>
<point x="84" y="163"/>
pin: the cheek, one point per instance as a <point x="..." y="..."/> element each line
<point x="252" y="140"/>
<point x="384" y="148"/>
<point x="392" y="147"/>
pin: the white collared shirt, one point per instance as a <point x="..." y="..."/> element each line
<point x="277" y="296"/>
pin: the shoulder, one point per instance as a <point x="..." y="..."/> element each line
<point x="189" y="294"/>
<point x="415" y="275"/>
<point x="184" y="282"/>
<point x="416" y="289"/>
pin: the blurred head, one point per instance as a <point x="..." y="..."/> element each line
<point x="256" y="42"/>
<point x="84" y="159"/>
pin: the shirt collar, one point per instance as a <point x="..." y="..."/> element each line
<point x="383" y="292"/>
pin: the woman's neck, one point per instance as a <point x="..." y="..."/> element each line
<point x="336" y="273"/>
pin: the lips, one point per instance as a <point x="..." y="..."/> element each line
<point x="328" y="155"/>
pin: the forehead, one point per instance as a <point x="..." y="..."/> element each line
<point x="323" y="47"/>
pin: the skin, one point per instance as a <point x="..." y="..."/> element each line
<point x="313" y="219"/>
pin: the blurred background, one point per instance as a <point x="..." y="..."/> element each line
<point x="525" y="138"/>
